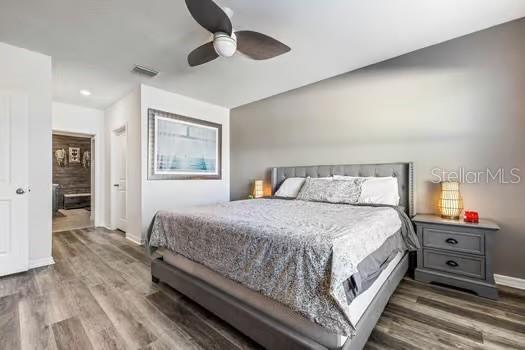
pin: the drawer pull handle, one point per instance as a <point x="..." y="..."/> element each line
<point x="451" y="241"/>
<point x="452" y="263"/>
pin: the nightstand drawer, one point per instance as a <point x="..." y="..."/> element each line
<point x="469" y="266"/>
<point x="465" y="242"/>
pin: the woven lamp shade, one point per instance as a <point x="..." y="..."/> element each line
<point x="258" y="190"/>
<point x="450" y="202"/>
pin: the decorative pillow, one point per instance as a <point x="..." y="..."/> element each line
<point x="290" y="187"/>
<point x="331" y="190"/>
<point x="376" y="190"/>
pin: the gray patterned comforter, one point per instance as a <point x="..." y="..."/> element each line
<point x="296" y="252"/>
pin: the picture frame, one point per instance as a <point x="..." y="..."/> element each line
<point x="74" y="155"/>
<point x="183" y="148"/>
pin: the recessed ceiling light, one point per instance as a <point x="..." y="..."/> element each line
<point x="85" y="92"/>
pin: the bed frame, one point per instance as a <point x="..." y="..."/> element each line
<point x="261" y="327"/>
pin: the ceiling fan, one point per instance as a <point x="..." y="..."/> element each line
<point x="226" y="42"/>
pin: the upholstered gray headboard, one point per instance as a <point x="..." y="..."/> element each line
<point x="403" y="171"/>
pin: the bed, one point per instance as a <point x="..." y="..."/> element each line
<point x="262" y="266"/>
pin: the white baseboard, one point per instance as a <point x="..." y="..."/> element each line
<point x="33" y="264"/>
<point x="134" y="239"/>
<point x="508" y="281"/>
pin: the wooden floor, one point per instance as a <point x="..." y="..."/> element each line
<point x="71" y="219"/>
<point x="98" y="295"/>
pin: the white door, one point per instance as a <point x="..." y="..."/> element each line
<point x="121" y="184"/>
<point x="14" y="256"/>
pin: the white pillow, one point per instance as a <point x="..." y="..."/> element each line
<point x="290" y="187"/>
<point x="377" y="190"/>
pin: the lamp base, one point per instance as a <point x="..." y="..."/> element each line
<point x="450" y="217"/>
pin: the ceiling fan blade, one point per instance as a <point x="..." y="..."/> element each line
<point x="202" y="54"/>
<point x="259" y="46"/>
<point x="209" y="15"/>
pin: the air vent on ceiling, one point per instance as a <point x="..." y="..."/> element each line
<point x="144" y="71"/>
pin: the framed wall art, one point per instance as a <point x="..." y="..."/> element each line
<point x="74" y="154"/>
<point x="183" y="148"/>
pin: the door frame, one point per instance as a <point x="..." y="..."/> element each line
<point x="93" y="146"/>
<point x="113" y="171"/>
<point x="93" y="175"/>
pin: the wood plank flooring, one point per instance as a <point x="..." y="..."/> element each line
<point x="99" y="295"/>
<point x="71" y="219"/>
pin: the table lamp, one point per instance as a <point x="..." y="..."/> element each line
<point x="450" y="202"/>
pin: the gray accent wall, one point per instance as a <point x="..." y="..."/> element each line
<point x="456" y="105"/>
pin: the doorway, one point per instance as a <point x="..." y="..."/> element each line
<point x="73" y="182"/>
<point x="119" y="212"/>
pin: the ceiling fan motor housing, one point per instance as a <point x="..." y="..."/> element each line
<point x="224" y="44"/>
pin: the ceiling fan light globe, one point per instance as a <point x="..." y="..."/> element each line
<point x="224" y="44"/>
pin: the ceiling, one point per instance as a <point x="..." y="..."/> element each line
<point x="95" y="43"/>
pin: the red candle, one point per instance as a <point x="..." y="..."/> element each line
<point x="471" y="216"/>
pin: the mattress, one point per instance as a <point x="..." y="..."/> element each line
<point x="280" y="312"/>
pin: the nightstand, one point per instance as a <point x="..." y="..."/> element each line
<point x="456" y="253"/>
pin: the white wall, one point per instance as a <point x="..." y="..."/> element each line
<point x="146" y="197"/>
<point x="29" y="73"/>
<point x="125" y="112"/>
<point x="171" y="194"/>
<point x="82" y="120"/>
